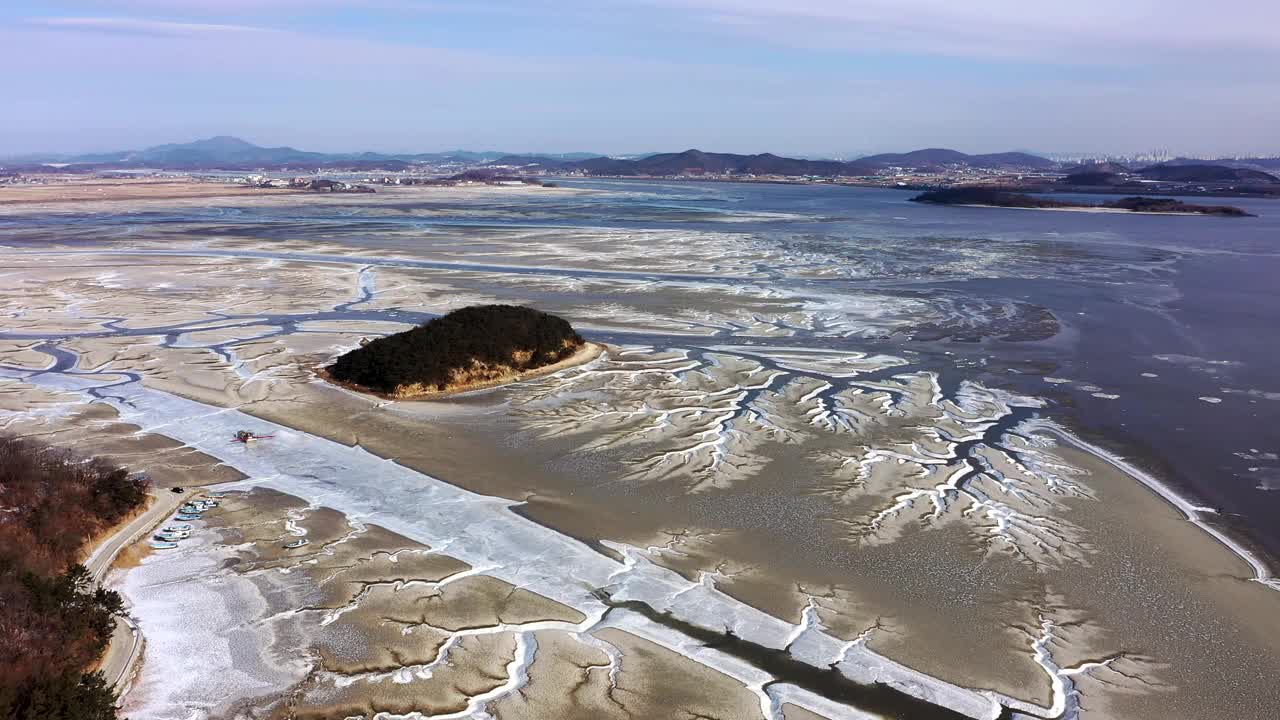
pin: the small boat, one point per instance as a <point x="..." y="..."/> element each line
<point x="176" y="528"/>
<point x="163" y="545"/>
<point x="246" y="437"/>
<point x="192" y="509"/>
<point x="172" y="536"/>
<point x="188" y="516"/>
<point x="296" y="543"/>
<point x="206" y="503"/>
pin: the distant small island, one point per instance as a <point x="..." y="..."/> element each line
<point x="994" y="197"/>
<point x="470" y="348"/>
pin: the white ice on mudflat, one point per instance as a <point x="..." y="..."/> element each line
<point x="477" y="529"/>
<point x="204" y="657"/>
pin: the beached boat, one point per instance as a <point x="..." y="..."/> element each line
<point x="176" y="528"/>
<point x="188" y="516"/>
<point x="296" y="544"/>
<point x="162" y="545"/>
<point x="172" y="536"/>
<point x="246" y="437"/>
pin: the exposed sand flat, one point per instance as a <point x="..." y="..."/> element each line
<point x="23" y="354"/>
<point x="614" y="674"/>
<point x="849" y="611"/>
<point x="92" y="190"/>
<point x="24" y="403"/>
<point x="352" y="327"/>
<point x="793" y="712"/>
<point x="63" y="420"/>
<point x="458" y="658"/>
<point x="72" y="193"/>
<point x="223" y="335"/>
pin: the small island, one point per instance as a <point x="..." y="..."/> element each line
<point x="994" y="197"/>
<point x="468" y="349"/>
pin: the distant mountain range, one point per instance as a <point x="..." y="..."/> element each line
<point x="231" y="153"/>
<point x="941" y="157"/>
<point x="1115" y="175"/>
<point x="699" y="162"/>
<point x="687" y="162"/>
<point x="1204" y="172"/>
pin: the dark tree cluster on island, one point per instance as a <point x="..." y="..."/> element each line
<point x="54" y="620"/>
<point x="470" y="345"/>
<point x="997" y="197"/>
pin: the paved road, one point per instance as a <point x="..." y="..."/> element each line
<point x="126" y="642"/>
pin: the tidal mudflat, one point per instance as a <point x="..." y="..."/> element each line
<point x="828" y="463"/>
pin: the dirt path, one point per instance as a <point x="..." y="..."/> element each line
<point x="126" y="642"/>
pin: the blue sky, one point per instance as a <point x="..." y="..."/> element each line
<point x="808" y="77"/>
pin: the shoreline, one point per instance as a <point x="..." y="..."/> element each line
<point x="1261" y="569"/>
<point x="587" y="353"/>
<point x="100" y="560"/>
<point x="104" y="557"/>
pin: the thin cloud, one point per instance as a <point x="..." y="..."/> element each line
<point x="1083" y="31"/>
<point x="134" y="26"/>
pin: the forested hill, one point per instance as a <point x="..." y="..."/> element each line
<point x="467" y="347"/>
<point x="54" y="621"/>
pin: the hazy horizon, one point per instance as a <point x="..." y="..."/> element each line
<point x="499" y="149"/>
<point x="818" y="78"/>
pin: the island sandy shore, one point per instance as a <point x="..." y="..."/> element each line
<point x="588" y="352"/>
<point x="1099" y="210"/>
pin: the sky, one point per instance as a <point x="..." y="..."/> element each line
<point x="831" y="78"/>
